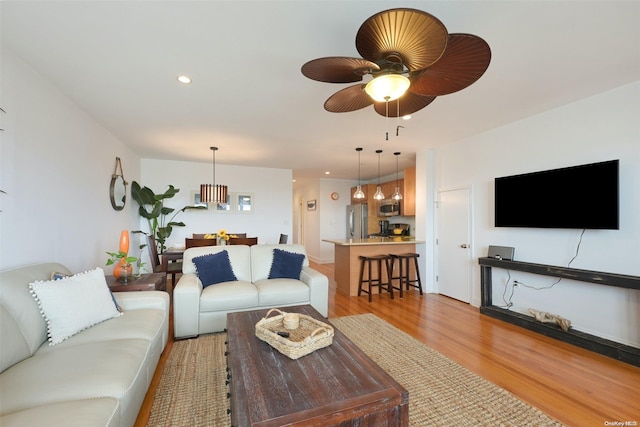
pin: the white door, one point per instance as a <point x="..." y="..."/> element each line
<point x="454" y="244"/>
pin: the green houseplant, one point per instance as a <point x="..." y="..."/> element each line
<point x="160" y="217"/>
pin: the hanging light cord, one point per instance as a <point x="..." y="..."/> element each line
<point x="386" y="104"/>
<point x="359" y="166"/>
<point x="213" y="149"/>
<point x="378" y="151"/>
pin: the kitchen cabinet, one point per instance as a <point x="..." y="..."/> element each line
<point x="372" y="209"/>
<point x="409" y="192"/>
<point x="388" y="188"/>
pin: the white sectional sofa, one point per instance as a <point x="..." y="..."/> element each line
<point x="199" y="310"/>
<point x="97" y="377"/>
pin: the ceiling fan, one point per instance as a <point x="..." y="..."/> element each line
<point x="412" y="59"/>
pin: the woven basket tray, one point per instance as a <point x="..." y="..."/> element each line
<point x="310" y="336"/>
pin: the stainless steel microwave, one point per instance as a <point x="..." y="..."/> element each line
<point x="388" y="207"/>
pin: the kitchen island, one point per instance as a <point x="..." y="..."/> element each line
<point x="347" y="251"/>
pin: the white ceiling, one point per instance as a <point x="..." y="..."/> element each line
<point x="118" y="60"/>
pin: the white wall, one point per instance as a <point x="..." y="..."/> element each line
<point x="271" y="189"/>
<point x="328" y="221"/>
<point x="333" y="221"/>
<point x="56" y="166"/>
<point x="603" y="127"/>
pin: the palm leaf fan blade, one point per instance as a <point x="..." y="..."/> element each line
<point x="349" y="99"/>
<point x="398" y="35"/>
<point x="466" y="59"/>
<point x="338" y="69"/>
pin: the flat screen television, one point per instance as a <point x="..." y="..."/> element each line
<point x="583" y="197"/>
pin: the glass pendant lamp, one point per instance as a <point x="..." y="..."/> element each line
<point x="359" y="194"/>
<point x="397" y="195"/>
<point x="379" y="195"/>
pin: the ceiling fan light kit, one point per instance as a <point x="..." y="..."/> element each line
<point x="409" y="50"/>
<point x="387" y="87"/>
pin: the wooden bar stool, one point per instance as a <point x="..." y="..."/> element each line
<point x="377" y="279"/>
<point x="404" y="272"/>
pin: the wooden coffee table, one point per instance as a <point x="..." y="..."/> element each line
<point x="336" y="385"/>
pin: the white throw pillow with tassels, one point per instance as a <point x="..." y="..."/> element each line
<point x="74" y="303"/>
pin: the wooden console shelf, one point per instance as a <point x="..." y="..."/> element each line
<point x="599" y="345"/>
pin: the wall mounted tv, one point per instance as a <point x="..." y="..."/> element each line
<point x="585" y="196"/>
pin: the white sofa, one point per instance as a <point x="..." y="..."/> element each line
<point x="98" y="377"/>
<point x="198" y="310"/>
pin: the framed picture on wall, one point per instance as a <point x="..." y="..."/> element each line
<point x="210" y="207"/>
<point x="223" y="207"/>
<point x="195" y="201"/>
<point x="243" y="202"/>
<point x="311" y="205"/>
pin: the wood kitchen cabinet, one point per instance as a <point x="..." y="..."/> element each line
<point x="388" y="188"/>
<point x="373" y="225"/>
<point x="409" y="192"/>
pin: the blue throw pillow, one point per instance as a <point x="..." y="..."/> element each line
<point x="214" y="268"/>
<point x="286" y="265"/>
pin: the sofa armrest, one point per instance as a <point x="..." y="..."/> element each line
<point x="318" y="289"/>
<point x="143" y="299"/>
<point x="186" y="306"/>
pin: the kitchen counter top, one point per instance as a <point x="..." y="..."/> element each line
<point x="347" y="254"/>
<point x="392" y="240"/>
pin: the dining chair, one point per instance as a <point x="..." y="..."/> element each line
<point x="172" y="268"/>
<point x="249" y="241"/>
<point x="283" y="239"/>
<point x="195" y="243"/>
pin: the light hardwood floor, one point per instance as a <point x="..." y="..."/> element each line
<point x="572" y="385"/>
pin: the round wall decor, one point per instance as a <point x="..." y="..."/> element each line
<point x="334" y="196"/>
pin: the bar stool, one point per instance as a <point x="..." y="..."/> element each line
<point x="404" y="272"/>
<point x="375" y="280"/>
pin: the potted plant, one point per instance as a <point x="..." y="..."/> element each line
<point x="125" y="271"/>
<point x="160" y="217"/>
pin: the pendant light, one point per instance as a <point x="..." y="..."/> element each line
<point x="379" y="194"/>
<point x="397" y="195"/>
<point x="213" y="193"/>
<point x="359" y="194"/>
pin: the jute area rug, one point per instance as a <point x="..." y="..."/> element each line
<point x="192" y="390"/>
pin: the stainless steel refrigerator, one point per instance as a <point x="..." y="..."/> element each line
<point x="357" y="221"/>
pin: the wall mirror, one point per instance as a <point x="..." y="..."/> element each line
<point x="118" y="187"/>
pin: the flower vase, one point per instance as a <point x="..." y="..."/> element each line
<point x="120" y="266"/>
<point x="117" y="268"/>
<point x="125" y="273"/>
<point x="124" y="241"/>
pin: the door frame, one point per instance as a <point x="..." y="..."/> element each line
<point x="471" y="281"/>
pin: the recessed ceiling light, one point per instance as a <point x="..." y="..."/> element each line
<point x="407" y="117"/>
<point x="327" y="173"/>
<point x="184" y="79"/>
